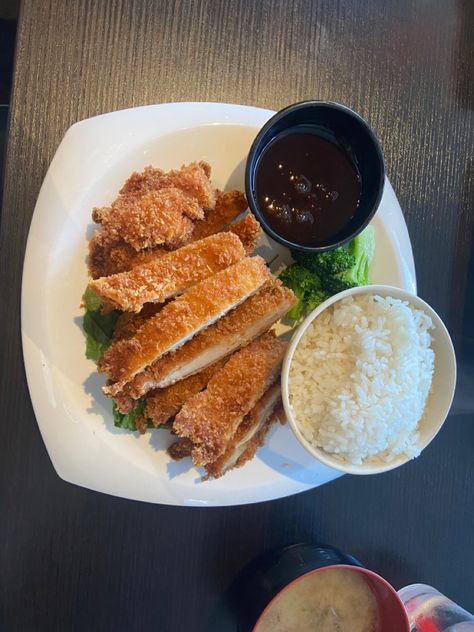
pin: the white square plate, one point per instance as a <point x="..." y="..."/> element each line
<point x="90" y="165"/>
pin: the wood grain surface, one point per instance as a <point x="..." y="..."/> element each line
<point x="71" y="559"/>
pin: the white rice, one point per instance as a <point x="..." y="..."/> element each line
<point x="360" y="378"/>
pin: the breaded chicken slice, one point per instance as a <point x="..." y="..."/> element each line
<point x="257" y="441"/>
<point x="169" y="275"/>
<point x="211" y="418"/>
<point x="248" y="230"/>
<point x="228" y="206"/>
<point x="192" y="179"/>
<point x="237" y="328"/>
<point x="181" y="319"/>
<point x="128" y="323"/>
<point x="162" y="217"/>
<point x="111" y="254"/>
<point x="249" y="443"/>
<point x="163" y="404"/>
<point x="246" y="434"/>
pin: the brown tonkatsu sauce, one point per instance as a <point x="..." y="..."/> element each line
<point x="307" y="187"/>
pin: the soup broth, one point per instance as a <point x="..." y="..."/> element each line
<point x="329" y="600"/>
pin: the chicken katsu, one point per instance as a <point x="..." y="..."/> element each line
<point x="192" y="179"/>
<point x="110" y="254"/>
<point x="163" y="404"/>
<point x="249" y="435"/>
<point x="191" y="346"/>
<point x="228" y="206"/>
<point x="248" y="231"/>
<point x="182" y="318"/>
<point x="211" y="418"/>
<point x="162" y="217"/>
<point x="169" y="275"/>
<point x="244" y="323"/>
<point x="113" y="255"/>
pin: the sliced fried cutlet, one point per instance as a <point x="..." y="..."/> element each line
<point x="98" y="258"/>
<point x="162" y="217"/>
<point x="163" y="404"/>
<point x="106" y="257"/>
<point x="193" y="179"/>
<point x="181" y="319"/>
<point x="171" y="274"/>
<point x="113" y="255"/>
<point x="247" y="448"/>
<point x="248" y="230"/>
<point x="211" y="418"/>
<point x="128" y="323"/>
<point x="257" y="441"/>
<point x="228" y="206"/>
<point x="247" y="321"/>
<point x="247" y="432"/>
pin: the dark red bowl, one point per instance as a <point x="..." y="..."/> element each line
<point x="392" y="616"/>
<point x="264" y="580"/>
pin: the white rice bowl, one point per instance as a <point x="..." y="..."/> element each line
<point x="360" y="377"/>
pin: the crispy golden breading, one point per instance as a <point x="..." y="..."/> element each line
<point x="128" y="323"/>
<point x="193" y="179"/>
<point x="248" y="231"/>
<point x="164" y="403"/>
<point x="183" y="447"/>
<point x="112" y="255"/>
<point x="228" y="206"/>
<point x="169" y="275"/>
<point x="244" y="323"/>
<point x="141" y="424"/>
<point x="150" y="179"/>
<point x="100" y="246"/>
<point x="211" y="417"/>
<point x="259" y="439"/>
<point x="181" y="319"/>
<point x="108" y="257"/>
<point x="180" y="449"/>
<point x="246" y="433"/>
<point x="162" y="217"/>
<point x="124" y="403"/>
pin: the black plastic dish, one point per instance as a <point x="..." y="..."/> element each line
<point x="349" y="131"/>
<point x="266" y="576"/>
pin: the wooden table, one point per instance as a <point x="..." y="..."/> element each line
<point x="71" y="559"/>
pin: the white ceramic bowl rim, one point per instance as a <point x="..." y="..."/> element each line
<point x="448" y="365"/>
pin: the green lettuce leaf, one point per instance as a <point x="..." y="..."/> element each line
<point x="91" y="301"/>
<point x="99" y="329"/>
<point x="127" y="421"/>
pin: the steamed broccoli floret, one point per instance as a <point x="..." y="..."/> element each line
<point x="340" y="282"/>
<point x="315" y="298"/>
<point x="325" y="263"/>
<point x="315" y="277"/>
<point x="362" y="249"/>
<point x="342" y="268"/>
<point x="306" y="287"/>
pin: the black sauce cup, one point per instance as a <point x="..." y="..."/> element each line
<point x="348" y="130"/>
